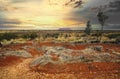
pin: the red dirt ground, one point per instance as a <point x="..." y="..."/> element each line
<point x="9" y="60"/>
<point x="77" y="68"/>
<point x="95" y="70"/>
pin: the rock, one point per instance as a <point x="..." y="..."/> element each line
<point x="116" y="53"/>
<point x="98" y="48"/>
<point x="56" y="50"/>
<point x="92" y="49"/>
<point x="104" y="57"/>
<point x="19" y="53"/>
<point x="43" y="60"/>
<point x="88" y="51"/>
<point x="64" y="55"/>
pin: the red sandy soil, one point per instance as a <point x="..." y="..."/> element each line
<point x="77" y="68"/>
<point x="18" y="68"/>
<point x="54" y="57"/>
<point x="9" y="60"/>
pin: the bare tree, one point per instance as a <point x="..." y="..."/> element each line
<point x="102" y="17"/>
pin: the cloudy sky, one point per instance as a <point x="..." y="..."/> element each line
<point x="55" y="14"/>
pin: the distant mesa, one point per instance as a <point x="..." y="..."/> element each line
<point x="64" y="29"/>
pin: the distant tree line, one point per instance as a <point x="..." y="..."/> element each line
<point x="30" y="36"/>
<point x="9" y="36"/>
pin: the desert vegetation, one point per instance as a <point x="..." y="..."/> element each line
<point x="63" y="53"/>
<point x="59" y="54"/>
<point x="60" y="36"/>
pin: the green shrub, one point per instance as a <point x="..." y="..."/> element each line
<point x="118" y="40"/>
<point x="114" y="35"/>
<point x="30" y="36"/>
<point x="33" y="36"/>
<point x="8" y="36"/>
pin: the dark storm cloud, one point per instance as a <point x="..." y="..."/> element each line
<point x="5" y="22"/>
<point x="6" y="26"/>
<point x="114" y="14"/>
<point x="78" y="14"/>
<point x="112" y="27"/>
<point x="8" y="23"/>
<point x="113" y="11"/>
<point x="114" y="6"/>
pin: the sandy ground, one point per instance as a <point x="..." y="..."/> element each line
<point x="18" y="68"/>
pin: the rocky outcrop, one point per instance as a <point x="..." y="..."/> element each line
<point x="41" y="61"/>
<point x="19" y="53"/>
<point x="64" y="55"/>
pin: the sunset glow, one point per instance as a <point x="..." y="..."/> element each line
<point x="46" y="13"/>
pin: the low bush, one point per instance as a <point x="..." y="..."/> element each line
<point x="113" y="35"/>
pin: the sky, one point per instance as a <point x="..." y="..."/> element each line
<point x="57" y="14"/>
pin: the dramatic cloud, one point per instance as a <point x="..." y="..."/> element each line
<point x="55" y="14"/>
<point x="87" y="13"/>
<point x="115" y="6"/>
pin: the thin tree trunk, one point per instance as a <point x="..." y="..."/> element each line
<point x="101" y="34"/>
<point x="87" y="38"/>
<point x="0" y="44"/>
<point x="98" y="35"/>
